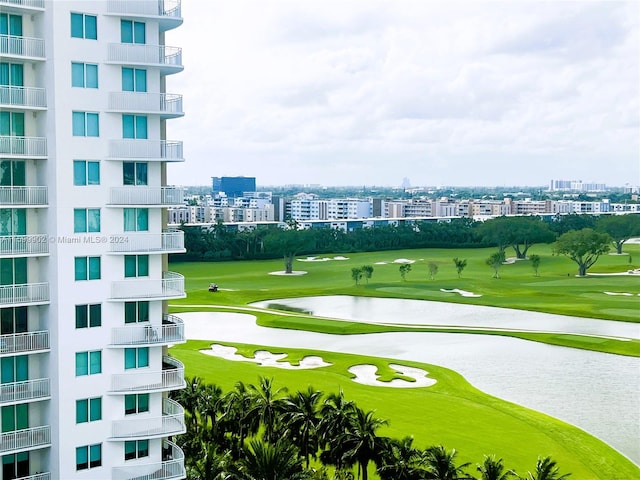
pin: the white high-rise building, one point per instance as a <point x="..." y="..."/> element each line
<point x="85" y="370"/>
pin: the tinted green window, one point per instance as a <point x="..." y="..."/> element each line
<point x="95" y="362"/>
<point x="94" y="268"/>
<point x="82" y="364"/>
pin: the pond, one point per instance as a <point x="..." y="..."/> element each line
<point x="597" y="392"/>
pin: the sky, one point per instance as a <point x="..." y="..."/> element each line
<point x="368" y="92"/>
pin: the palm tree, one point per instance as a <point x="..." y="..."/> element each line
<point x="401" y="462"/>
<point x="270" y="461"/>
<point x="360" y="442"/>
<point x="334" y="420"/>
<point x="441" y="464"/>
<point x="242" y="418"/>
<point x="492" y="469"/>
<point x="268" y="406"/>
<point x="211" y="464"/>
<point x="546" y="469"/>
<point x="301" y="419"/>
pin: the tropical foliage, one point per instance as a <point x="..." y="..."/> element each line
<point x="258" y="432"/>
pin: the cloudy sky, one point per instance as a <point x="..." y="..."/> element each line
<point x="356" y="92"/>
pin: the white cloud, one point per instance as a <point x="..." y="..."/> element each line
<point x="442" y="92"/>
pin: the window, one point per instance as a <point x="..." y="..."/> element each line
<point x="132" y="32"/>
<point x="86" y="124"/>
<point x="10" y="24"/>
<point x="88" y="410"/>
<point x="136" y="219"/>
<point x="12" y="74"/>
<point x="88" y="316"/>
<point x="134" y="126"/>
<point x="14" y="369"/>
<point x="88" y="363"/>
<point x="86" y="173"/>
<point x="137" y="403"/>
<point x="136" y="449"/>
<point x="134" y="80"/>
<point x="89" y="456"/>
<point x="13" y="320"/>
<point x="87" y="268"/>
<point x="136" y="357"/>
<point x="134" y="173"/>
<point x="136" y="312"/>
<point x="84" y="26"/>
<point x="86" y="220"/>
<point x="136" y="266"/>
<point x="84" y="75"/>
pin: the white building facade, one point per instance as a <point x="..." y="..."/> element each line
<point x="85" y="371"/>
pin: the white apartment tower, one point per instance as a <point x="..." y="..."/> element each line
<point x="85" y="370"/>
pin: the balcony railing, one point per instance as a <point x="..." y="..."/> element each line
<point x="168" y="12"/>
<point x="23" y="3"/>
<point x="14" y="245"/>
<point x="25" y="294"/>
<point x="24" y="47"/>
<point x="150" y="150"/>
<point x="171" y="467"/>
<point x="28" y="438"/>
<point x="23" y="147"/>
<point x="171" y="331"/>
<point x="168" y="59"/>
<point x="37" y="476"/>
<point x="24" y="97"/>
<point x="13" y="343"/>
<point x="171" y="422"/>
<point x="167" y="105"/>
<point x="145" y="195"/>
<point x="171" y="377"/>
<point x="170" y="286"/>
<point x="165" y="242"/>
<point x="33" y="196"/>
<point x="28" y="390"/>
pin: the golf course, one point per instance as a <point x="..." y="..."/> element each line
<point x="448" y="410"/>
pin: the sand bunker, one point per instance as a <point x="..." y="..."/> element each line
<point x="624" y="294"/>
<point x="380" y="263"/>
<point x="292" y="274"/>
<point x="462" y="293"/>
<point x="366" y="375"/>
<point x="321" y="259"/>
<point x="628" y="272"/>
<point x="403" y="260"/>
<point x="265" y="358"/>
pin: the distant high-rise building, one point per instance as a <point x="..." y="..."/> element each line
<point x="232" y="186"/>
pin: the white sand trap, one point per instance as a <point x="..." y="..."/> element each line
<point x="380" y="263"/>
<point x="227" y="290"/>
<point x="624" y="294"/>
<point x="295" y="273"/>
<point x="462" y="293"/>
<point x="628" y="272"/>
<point x="403" y="260"/>
<point x="264" y="358"/>
<point x="314" y="259"/>
<point x="340" y="258"/>
<point x="366" y="375"/>
<point x="509" y="261"/>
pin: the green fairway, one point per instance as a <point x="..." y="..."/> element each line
<point x="451" y="412"/>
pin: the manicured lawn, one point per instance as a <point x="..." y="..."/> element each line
<point x="451" y="412"/>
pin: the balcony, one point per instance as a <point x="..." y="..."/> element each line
<point x="24" y="245"/>
<point x="22" y="47"/>
<point x="37" y="476"/>
<point x="26" y="342"/>
<point x="24" y="196"/>
<point x="167" y="105"/>
<point x="141" y="426"/>
<point x="20" y="6"/>
<point x="170" y="286"/>
<point x="26" y="391"/>
<point x="171" y="467"/>
<point x="165" y="242"/>
<point x="171" y="377"/>
<point x="171" y="331"/>
<point x="167" y="59"/>
<point x="168" y="13"/>
<point x="148" y="150"/>
<point x="27" y="439"/>
<point x="25" y="98"/>
<point x="145" y="196"/>
<point x="24" y="294"/>
<point x="23" y="147"/>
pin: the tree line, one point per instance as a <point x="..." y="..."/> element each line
<point x="260" y="432"/>
<point x="221" y="243"/>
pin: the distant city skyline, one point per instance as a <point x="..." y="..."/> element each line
<point x="443" y="93"/>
